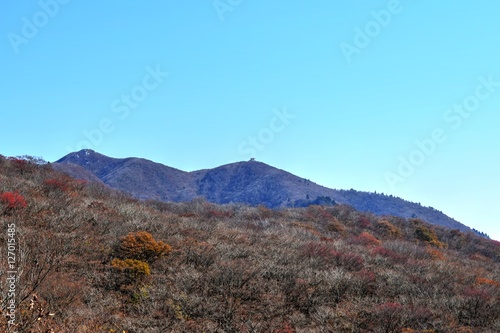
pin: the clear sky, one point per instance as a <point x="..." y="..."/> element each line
<point x="400" y="97"/>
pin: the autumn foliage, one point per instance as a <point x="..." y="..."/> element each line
<point x="96" y="260"/>
<point x="13" y="200"/>
<point x="428" y="236"/>
<point x="142" y="246"/>
<point x="136" y="268"/>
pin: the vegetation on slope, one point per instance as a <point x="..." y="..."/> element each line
<point x="251" y="183"/>
<point x="94" y="260"/>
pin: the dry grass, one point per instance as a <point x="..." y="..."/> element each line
<point x="236" y="268"/>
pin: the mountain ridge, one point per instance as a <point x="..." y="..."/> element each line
<point x="248" y="182"/>
<point x="96" y="260"/>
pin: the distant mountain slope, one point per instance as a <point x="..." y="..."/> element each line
<point x="381" y="204"/>
<point x="256" y="183"/>
<point x="252" y="182"/>
<point x="142" y="178"/>
<point x="76" y="171"/>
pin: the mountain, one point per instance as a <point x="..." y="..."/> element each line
<point x="141" y="178"/>
<point x="86" y="258"/>
<point x="251" y="182"/>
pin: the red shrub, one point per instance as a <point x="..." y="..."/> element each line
<point x="317" y="213"/>
<point x="324" y="252"/>
<point x="13" y="200"/>
<point x="316" y="250"/>
<point x="64" y="184"/>
<point x="351" y="261"/>
<point x="364" y="221"/>
<point x="59" y="184"/>
<point x="389" y="254"/>
<point x="366" y="239"/>
<point x="20" y="164"/>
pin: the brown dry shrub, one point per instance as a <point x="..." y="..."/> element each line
<point x="334" y="225"/>
<point x="142" y="246"/>
<point x="134" y="267"/>
<point x="428" y="236"/>
<point x="388" y="229"/>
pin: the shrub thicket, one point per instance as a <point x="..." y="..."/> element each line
<point x="234" y="268"/>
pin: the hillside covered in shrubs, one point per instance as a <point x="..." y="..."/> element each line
<point x="250" y="183"/>
<point x="91" y="259"/>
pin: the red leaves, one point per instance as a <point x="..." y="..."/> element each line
<point x="389" y="254"/>
<point x="64" y="184"/>
<point x="19" y="164"/>
<point x="366" y="239"/>
<point x="350" y="261"/>
<point x="13" y="200"/>
<point x="56" y="184"/>
<point x="316" y="250"/>
<point x="363" y="221"/>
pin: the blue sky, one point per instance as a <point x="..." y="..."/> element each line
<point x="400" y="97"/>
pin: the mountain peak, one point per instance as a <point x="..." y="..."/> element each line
<point x="81" y="154"/>
<point x="249" y="182"/>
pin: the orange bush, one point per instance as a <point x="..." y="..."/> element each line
<point x="365" y="238"/>
<point x="136" y="268"/>
<point x="428" y="236"/>
<point x="484" y="281"/>
<point x="142" y="246"/>
<point x="388" y="229"/>
<point x="435" y="254"/>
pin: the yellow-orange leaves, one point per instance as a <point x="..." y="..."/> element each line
<point x="142" y="246"/>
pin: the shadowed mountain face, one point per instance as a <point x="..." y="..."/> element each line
<point x="251" y="182"/>
<point x="141" y="178"/>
